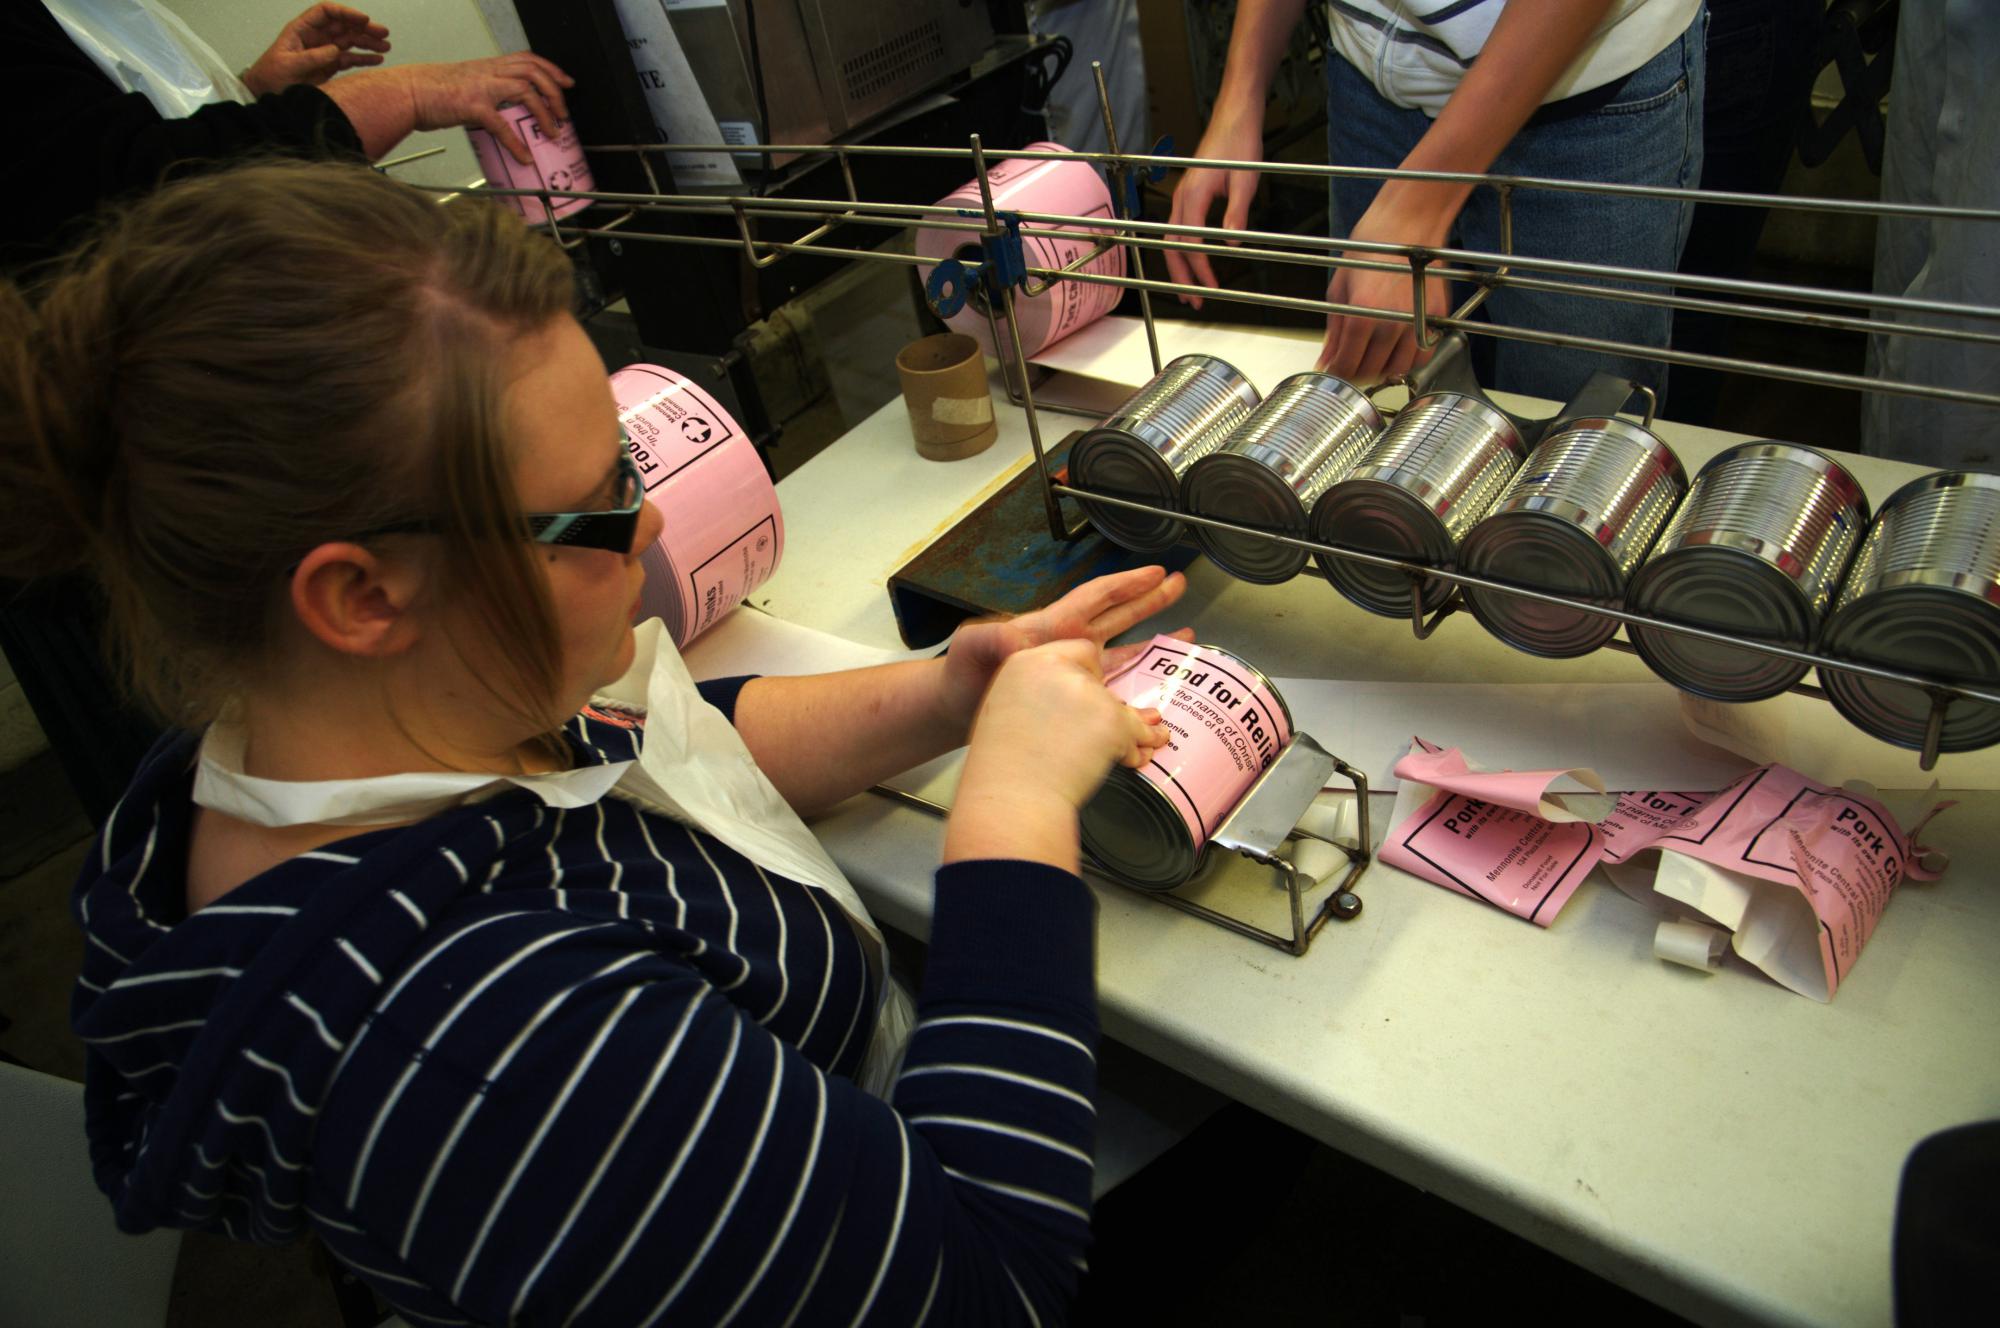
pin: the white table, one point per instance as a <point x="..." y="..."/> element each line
<point x="1715" y="1143"/>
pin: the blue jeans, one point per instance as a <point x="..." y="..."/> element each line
<point x="1648" y="133"/>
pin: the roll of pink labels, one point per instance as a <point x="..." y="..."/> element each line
<point x="559" y="164"/>
<point x="723" y="533"/>
<point x="1068" y="188"/>
<point x="1228" y="724"/>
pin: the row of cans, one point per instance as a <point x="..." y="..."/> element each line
<point x="1770" y="541"/>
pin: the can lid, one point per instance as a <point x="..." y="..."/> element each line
<point x="1111" y="461"/>
<point x="1546" y="553"/>
<point x="1231" y="487"/>
<point x="1378" y="517"/>
<point x="1725" y="590"/>
<point x="1923" y="629"/>
<point x="1135" y="834"/>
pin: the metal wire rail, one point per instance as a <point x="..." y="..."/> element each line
<point x="1003" y="272"/>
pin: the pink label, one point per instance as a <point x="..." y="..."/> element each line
<point x="1066" y="188"/>
<point x="1509" y="858"/>
<point x="1843" y="852"/>
<point x="559" y="164"/>
<point x="723" y="532"/>
<point x="1226" y="725"/>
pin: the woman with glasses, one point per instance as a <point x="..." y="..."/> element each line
<point x="393" y="941"/>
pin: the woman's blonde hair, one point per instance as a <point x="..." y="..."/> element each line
<point x="242" y="366"/>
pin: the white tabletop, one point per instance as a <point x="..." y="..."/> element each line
<point x="1713" y="1142"/>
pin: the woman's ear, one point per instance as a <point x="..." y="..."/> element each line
<point x="355" y="601"/>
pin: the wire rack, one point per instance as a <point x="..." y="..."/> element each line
<point x="1003" y="275"/>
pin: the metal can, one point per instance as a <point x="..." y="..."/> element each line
<point x="1141" y="450"/>
<point x="1923" y="597"/>
<point x="1578" y="517"/>
<point x="1415" y="495"/>
<point x="1306" y="435"/>
<point x="1150" y="827"/>
<point x="722" y="532"/>
<point x="559" y="164"/>
<point x="1755" y="550"/>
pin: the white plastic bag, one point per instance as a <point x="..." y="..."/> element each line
<point x="144" y="48"/>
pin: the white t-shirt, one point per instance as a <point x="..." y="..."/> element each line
<point x="1416" y="53"/>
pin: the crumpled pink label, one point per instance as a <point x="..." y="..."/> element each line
<point x="1841" y="851"/>
<point x="1508" y="837"/>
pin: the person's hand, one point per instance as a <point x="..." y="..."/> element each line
<point x="312" y="48"/>
<point x="1046" y="734"/>
<point x="1234" y="134"/>
<point x="471" y="92"/>
<point x="1366" y="350"/>
<point x="1095" y="611"/>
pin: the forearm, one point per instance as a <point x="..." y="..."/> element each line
<point x="1533" y="42"/>
<point x="1256" y="45"/>
<point x="379" y="103"/>
<point x="825" y="737"/>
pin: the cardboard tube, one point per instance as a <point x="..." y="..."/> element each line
<point x="945" y="390"/>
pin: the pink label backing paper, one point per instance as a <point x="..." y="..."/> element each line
<point x="1486" y="834"/>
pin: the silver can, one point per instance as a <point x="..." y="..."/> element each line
<point x="1923" y="597"/>
<point x="1141" y="450"/>
<point x="1415" y="495"/>
<point x="1307" y="434"/>
<point x="1578" y="517"/>
<point x="1755" y="550"/>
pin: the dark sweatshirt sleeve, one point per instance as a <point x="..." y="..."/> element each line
<point x="86" y="143"/>
<point x="722" y="693"/>
<point x="642" y="1151"/>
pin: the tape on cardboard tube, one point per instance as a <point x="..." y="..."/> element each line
<point x="962" y="410"/>
<point x="1690" y="943"/>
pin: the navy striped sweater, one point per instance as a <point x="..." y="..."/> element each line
<point x="517" y="1064"/>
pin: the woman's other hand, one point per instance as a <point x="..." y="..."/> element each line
<point x="1046" y="734"/>
<point x="312" y="48"/>
<point x="1095" y="611"/>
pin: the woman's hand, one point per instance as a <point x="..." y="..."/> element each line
<point x="471" y="92"/>
<point x="312" y="48"/>
<point x="1045" y="736"/>
<point x="386" y="105"/>
<point x="1234" y="133"/>
<point x="1095" y="611"/>
<point x="1365" y="350"/>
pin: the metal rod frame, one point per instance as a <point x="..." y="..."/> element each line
<point x="1342" y="900"/>
<point x="1485" y="271"/>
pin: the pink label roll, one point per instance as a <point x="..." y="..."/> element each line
<point x="723" y="533"/>
<point x="1228" y="724"/>
<point x="559" y="164"/>
<point x="1067" y="188"/>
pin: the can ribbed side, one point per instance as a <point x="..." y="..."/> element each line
<point x="1932" y="527"/>
<point x="1809" y="521"/>
<point x="1310" y="433"/>
<point x="1187" y="410"/>
<point x="1450" y="452"/>
<point x="1142" y="450"/>
<point x="1619" y="491"/>
<point x="1303" y="437"/>
<point x="1923" y="597"/>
